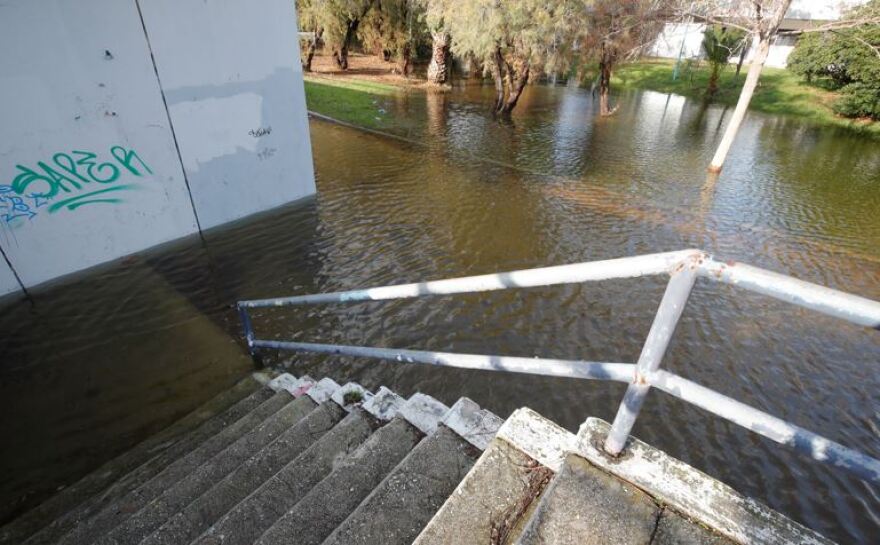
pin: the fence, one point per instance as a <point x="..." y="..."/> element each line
<point x="683" y="268"/>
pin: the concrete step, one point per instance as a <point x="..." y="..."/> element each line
<point x="167" y="454"/>
<point x="90" y="530"/>
<point x="183" y="492"/>
<point x="674" y="529"/>
<point x="103" y="477"/>
<point x="492" y="503"/>
<point x="397" y="510"/>
<point x="584" y="505"/>
<point x="320" y="511"/>
<point x="245" y="522"/>
<point x="205" y="510"/>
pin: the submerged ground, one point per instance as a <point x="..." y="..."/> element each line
<point x="93" y="365"/>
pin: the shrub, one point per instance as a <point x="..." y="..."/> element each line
<point x="859" y="100"/>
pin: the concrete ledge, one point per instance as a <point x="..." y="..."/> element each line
<point x="384" y="405"/>
<point x="322" y="391"/>
<point x="692" y="492"/>
<point x="284" y="381"/>
<point x="263" y="377"/>
<point x="475" y="425"/>
<point x="423" y="412"/>
<point x="538" y="437"/>
<point x="351" y="388"/>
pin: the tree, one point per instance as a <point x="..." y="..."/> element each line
<point x="719" y="44"/>
<point x="617" y="30"/>
<point x="438" y="69"/>
<point x="760" y="20"/>
<point x="309" y="18"/>
<point x="393" y="29"/>
<point x="849" y="58"/>
<point x="514" y="41"/>
<point x="340" y="20"/>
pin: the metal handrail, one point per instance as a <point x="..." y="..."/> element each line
<point x="683" y="267"/>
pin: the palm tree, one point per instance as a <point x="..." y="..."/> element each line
<point x="719" y="44"/>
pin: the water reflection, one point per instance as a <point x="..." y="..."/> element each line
<point x="95" y="364"/>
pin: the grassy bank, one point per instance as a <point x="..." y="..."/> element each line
<point x="367" y="103"/>
<point x="363" y="103"/>
<point x="779" y="91"/>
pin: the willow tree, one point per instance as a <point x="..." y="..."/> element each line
<point x="514" y="41"/>
<point x="616" y="31"/>
<point x="393" y="29"/>
<point x="340" y="20"/>
<point x="309" y="16"/>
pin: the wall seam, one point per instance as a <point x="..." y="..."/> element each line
<point x="192" y="202"/>
<point x="14" y="273"/>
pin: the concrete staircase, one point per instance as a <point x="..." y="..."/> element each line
<point x="280" y="460"/>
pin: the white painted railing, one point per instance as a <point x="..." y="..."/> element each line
<point x="683" y="268"/>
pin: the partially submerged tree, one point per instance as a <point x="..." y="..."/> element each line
<point x="615" y="31"/>
<point x="719" y="44"/>
<point x="761" y="20"/>
<point x="438" y="69"/>
<point x="514" y="41"/>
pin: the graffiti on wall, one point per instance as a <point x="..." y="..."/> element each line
<point x="69" y="181"/>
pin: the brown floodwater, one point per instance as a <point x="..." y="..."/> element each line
<point x="95" y="363"/>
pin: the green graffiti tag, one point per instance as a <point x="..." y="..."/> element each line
<point x="69" y="182"/>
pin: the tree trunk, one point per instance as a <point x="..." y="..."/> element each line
<point x="310" y="54"/>
<point x="713" y="80"/>
<point x="438" y="70"/>
<point x="341" y="54"/>
<point x="495" y="69"/>
<point x="518" y="80"/>
<point x="742" y="56"/>
<point x="404" y="62"/>
<point x="766" y="35"/>
<point x="604" y="88"/>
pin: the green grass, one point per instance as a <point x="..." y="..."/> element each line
<point x="359" y="102"/>
<point x="779" y="91"/>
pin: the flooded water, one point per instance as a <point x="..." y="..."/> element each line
<point x="93" y="365"/>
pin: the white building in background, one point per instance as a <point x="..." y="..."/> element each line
<point x="685" y="39"/>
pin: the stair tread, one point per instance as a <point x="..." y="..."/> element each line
<point x="673" y="529"/>
<point x="89" y="530"/>
<point x="224" y="495"/>
<point x="492" y="502"/>
<point x="255" y="514"/>
<point x="403" y="503"/>
<point x="585" y="505"/>
<point x="181" y="493"/>
<point x="326" y="505"/>
<point x="52" y="531"/>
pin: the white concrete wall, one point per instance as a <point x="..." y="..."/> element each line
<point x="89" y="169"/>
<point x="233" y="82"/>
<point x="669" y="43"/>
<point x="8" y="283"/>
<point x="827" y="10"/>
<point x="82" y="85"/>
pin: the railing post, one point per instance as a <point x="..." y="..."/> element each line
<point x="674" y="300"/>
<point x="248" y="327"/>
